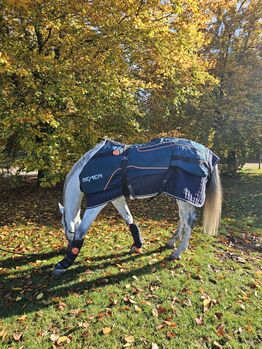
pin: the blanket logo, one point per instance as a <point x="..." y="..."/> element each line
<point x="92" y="178"/>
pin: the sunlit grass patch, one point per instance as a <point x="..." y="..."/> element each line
<point x="111" y="299"/>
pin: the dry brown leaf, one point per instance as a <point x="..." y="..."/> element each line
<point x="56" y="299"/>
<point x="63" y="339"/>
<point x="199" y="320"/>
<point x="206" y="303"/>
<point x="218" y="315"/>
<point x="161" y="310"/>
<point x="129" y="339"/>
<point x="54" y="337"/>
<point x="155" y="312"/>
<point x="17" y="336"/>
<point x="3" y="334"/>
<point x="170" y="334"/>
<point x="220" y="330"/>
<point x="83" y="324"/>
<point x="170" y="323"/>
<point x="217" y="345"/>
<point x="106" y="330"/>
<point x="76" y="311"/>
<point x="22" y="318"/>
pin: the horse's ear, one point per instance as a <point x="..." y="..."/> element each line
<point x="61" y="208"/>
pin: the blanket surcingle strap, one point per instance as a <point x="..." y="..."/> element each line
<point x="124" y="182"/>
<point x="175" y="166"/>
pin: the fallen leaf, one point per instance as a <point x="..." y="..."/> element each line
<point x="39" y="296"/>
<point x="155" y="312"/>
<point x="250" y="329"/>
<point x="40" y="313"/>
<point x="197" y="277"/>
<point x="137" y="309"/>
<point x="238" y="331"/>
<point x="63" y="339"/>
<point x="187" y="302"/>
<point x="161" y="310"/>
<point x="199" y="320"/>
<point x="206" y="303"/>
<point x="76" y="311"/>
<point x="54" y="337"/>
<point x="169" y="323"/>
<point x="3" y="334"/>
<point x="83" y="324"/>
<point x="61" y="305"/>
<point x="106" y="330"/>
<point x="218" y="315"/>
<point x="170" y="334"/>
<point x="129" y="339"/>
<point x="220" y="330"/>
<point x="217" y="345"/>
<point x="22" y="318"/>
<point x="56" y="299"/>
<point x="17" y="336"/>
<point x="154" y="346"/>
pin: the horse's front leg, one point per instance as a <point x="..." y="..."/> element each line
<point x="121" y="206"/>
<point x="77" y="243"/>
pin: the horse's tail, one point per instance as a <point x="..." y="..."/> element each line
<point x="213" y="204"/>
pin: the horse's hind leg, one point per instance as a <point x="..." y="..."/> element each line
<point x="74" y="249"/>
<point x="179" y="231"/>
<point x="187" y="214"/>
<point x="121" y="206"/>
<point x="177" y="236"/>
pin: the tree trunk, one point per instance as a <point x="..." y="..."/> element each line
<point x="40" y="175"/>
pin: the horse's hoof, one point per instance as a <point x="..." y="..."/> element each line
<point x="135" y="249"/>
<point x="169" y="246"/>
<point x="174" y="257"/>
<point x="58" y="272"/>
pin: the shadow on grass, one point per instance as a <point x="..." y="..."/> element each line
<point x="34" y="281"/>
<point x="20" y="205"/>
<point x="13" y="262"/>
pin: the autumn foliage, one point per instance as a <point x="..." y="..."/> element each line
<point x="72" y="72"/>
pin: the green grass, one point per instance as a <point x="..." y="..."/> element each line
<point x="138" y="299"/>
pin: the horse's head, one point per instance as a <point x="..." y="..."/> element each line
<point x="68" y="233"/>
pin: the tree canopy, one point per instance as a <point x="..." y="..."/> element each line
<point x="72" y="73"/>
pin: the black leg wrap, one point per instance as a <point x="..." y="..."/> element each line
<point x="71" y="255"/>
<point x="136" y="235"/>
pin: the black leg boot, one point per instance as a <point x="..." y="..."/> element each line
<point x="69" y="258"/>
<point x="138" y="241"/>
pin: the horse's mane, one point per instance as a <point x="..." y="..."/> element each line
<point x="81" y="162"/>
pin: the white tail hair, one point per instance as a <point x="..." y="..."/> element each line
<point x="213" y="204"/>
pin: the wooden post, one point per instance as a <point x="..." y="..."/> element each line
<point x="259" y="161"/>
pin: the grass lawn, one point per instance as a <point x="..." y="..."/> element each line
<point x="110" y="299"/>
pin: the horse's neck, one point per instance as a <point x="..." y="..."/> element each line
<point x="72" y="193"/>
<point x="72" y="202"/>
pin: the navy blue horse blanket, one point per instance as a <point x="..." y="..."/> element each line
<point x="178" y="167"/>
